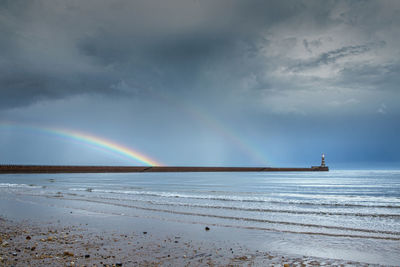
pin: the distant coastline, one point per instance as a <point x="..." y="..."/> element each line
<point x="121" y="169"/>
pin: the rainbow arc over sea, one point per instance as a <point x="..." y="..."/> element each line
<point x="92" y="140"/>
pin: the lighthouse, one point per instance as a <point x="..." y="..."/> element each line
<point x="323" y="161"/>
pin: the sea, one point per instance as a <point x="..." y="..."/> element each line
<point x="343" y="214"/>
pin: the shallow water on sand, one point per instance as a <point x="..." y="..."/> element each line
<point x="352" y="215"/>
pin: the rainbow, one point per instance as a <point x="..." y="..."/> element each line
<point x="228" y="134"/>
<point x="92" y="140"/>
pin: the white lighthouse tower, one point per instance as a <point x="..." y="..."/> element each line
<point x="323" y="160"/>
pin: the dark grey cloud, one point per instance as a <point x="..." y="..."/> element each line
<point x="21" y="87"/>
<point x="38" y="61"/>
<point x="56" y="49"/>
<point x="335" y="55"/>
<point x="309" y="44"/>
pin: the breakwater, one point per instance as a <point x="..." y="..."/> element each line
<point x="126" y="169"/>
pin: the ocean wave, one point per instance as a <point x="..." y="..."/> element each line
<point x="188" y="205"/>
<point x="255" y="199"/>
<point x="261" y="228"/>
<point x="236" y="208"/>
<point x="308" y="225"/>
<point x="356" y="214"/>
<point x="8" y="185"/>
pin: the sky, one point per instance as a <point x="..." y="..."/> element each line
<point x="211" y="82"/>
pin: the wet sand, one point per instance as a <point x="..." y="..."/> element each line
<point x="24" y="243"/>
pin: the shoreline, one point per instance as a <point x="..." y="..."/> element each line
<point x="67" y="236"/>
<point x="26" y="169"/>
<point x="25" y="243"/>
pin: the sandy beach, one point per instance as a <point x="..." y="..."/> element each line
<point x="54" y="244"/>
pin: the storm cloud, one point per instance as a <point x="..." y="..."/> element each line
<point x="241" y="62"/>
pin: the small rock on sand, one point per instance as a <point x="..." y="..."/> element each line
<point x="68" y="253"/>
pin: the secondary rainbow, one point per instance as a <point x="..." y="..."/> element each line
<point x="211" y="122"/>
<point x="92" y="140"/>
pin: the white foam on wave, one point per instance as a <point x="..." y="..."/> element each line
<point x="283" y="198"/>
<point x="175" y="194"/>
<point x="8" y="185"/>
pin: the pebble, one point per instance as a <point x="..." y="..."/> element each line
<point x="207" y="228"/>
<point x="14" y="254"/>
<point x="68" y="253"/>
